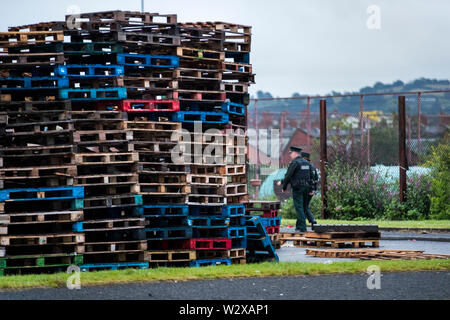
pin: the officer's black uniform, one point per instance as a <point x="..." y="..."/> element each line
<point x="313" y="183"/>
<point x="299" y="175"/>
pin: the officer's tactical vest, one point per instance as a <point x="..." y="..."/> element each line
<point x="303" y="174"/>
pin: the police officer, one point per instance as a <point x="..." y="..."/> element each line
<point x="298" y="175"/>
<point x="313" y="184"/>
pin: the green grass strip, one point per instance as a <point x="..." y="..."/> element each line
<point x="219" y="272"/>
<point x="425" y="224"/>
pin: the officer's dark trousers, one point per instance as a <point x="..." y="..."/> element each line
<point x="300" y="196"/>
<point x="308" y="212"/>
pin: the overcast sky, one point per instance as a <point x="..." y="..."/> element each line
<point x="305" y="46"/>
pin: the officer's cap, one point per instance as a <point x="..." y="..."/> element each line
<point x="306" y="155"/>
<point x="296" y="149"/>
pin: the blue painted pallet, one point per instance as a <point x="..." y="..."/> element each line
<point x="233" y="108"/>
<point x="228" y="211"/>
<point x="138" y="199"/>
<point x="209" y="232"/>
<point x="237" y="221"/>
<point x="233" y="210"/>
<point x="210" y="262"/>
<point x="238" y="243"/>
<point x="91" y="71"/>
<point x="172" y="233"/>
<point x="33" y="83"/>
<point x="198" y="116"/>
<point x="78" y="227"/>
<point x="114" y="266"/>
<point x="93" y="94"/>
<point x="208" y="222"/>
<point x="239" y="57"/>
<point x="237" y="232"/>
<point x="147" y="60"/>
<point x="258" y="239"/>
<point x="200" y="211"/>
<point x="39" y="194"/>
<point x="91" y="48"/>
<point x="164" y="210"/>
<point x="270" y="222"/>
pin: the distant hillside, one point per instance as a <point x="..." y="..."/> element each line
<point x="431" y="104"/>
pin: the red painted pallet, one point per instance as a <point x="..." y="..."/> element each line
<point x="270" y="214"/>
<point x="150" y="105"/>
<point x="273" y="230"/>
<point x="208" y="244"/>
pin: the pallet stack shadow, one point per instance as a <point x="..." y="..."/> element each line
<point x="97" y="113"/>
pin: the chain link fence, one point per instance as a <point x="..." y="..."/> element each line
<point x="362" y="130"/>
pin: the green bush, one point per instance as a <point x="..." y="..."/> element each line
<point x="440" y="173"/>
<point x="356" y="193"/>
<point x="316" y="206"/>
<point x="287" y="210"/>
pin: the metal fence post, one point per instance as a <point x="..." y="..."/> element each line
<point x="323" y="156"/>
<point x="403" y="163"/>
<point x="257" y="139"/>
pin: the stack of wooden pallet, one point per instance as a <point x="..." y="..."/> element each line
<point x="100" y="102"/>
<point x="335" y="237"/>
<point x="375" y="254"/>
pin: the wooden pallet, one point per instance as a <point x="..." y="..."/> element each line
<point x="111" y="201"/>
<point x="206" y="180"/>
<point x="111" y="224"/>
<point x="170" y="256"/>
<point x="235" y="170"/>
<point x="11" y="39"/>
<point x="151" y="126"/>
<point x="43" y="217"/>
<point x="68" y="171"/>
<point x="184" y="74"/>
<point x="162" y="168"/>
<point x="195" y="199"/>
<point x="115" y="247"/>
<point x="129" y="17"/>
<point x="343" y="235"/>
<point x="147" y="39"/>
<point x="163" y="178"/>
<point x="230" y="28"/>
<point x="106" y="158"/>
<point x="334" y="243"/>
<point x="92" y="116"/>
<point x="262" y="205"/>
<point x="105" y="136"/>
<point x="167" y="188"/>
<point x="36" y="261"/>
<point x="28" y="117"/>
<point x="43" y="239"/>
<point x="235" y="190"/>
<point x="237" y="253"/>
<point x="106" y="179"/>
<point x="374" y="254"/>
<point x="31" y="59"/>
<point x="213" y="170"/>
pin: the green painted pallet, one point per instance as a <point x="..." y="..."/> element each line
<point x="18" y="263"/>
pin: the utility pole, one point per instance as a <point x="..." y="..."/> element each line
<point x="323" y="157"/>
<point x="402" y="147"/>
<point x="142" y="6"/>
